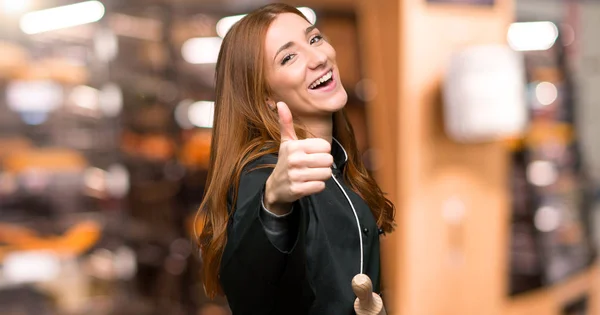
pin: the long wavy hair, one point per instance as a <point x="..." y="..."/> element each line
<point x="245" y="129"/>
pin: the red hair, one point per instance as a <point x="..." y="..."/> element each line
<point x="245" y="129"/>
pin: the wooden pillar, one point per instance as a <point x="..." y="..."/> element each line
<point x="378" y="27"/>
<point x="449" y="252"/>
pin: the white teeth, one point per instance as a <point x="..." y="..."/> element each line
<point x="322" y="79"/>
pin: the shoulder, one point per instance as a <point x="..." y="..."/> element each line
<point x="255" y="172"/>
<point x="267" y="161"/>
<point x="253" y="177"/>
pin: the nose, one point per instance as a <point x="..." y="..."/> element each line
<point x="317" y="58"/>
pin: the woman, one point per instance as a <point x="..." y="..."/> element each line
<point x="290" y="213"/>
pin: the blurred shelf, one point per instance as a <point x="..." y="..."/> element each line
<point x="552" y="300"/>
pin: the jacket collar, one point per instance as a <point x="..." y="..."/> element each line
<point x="340" y="157"/>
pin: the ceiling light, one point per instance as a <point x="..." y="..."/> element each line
<point x="201" y="50"/>
<point x="529" y="36"/>
<point x="62" y="17"/>
<point x="201" y="114"/>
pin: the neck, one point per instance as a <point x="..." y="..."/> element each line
<point x="320" y="128"/>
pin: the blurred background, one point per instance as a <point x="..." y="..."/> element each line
<point x="478" y="118"/>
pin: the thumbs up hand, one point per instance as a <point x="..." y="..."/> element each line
<point x="302" y="168"/>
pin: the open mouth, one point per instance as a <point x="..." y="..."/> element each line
<point x="323" y="81"/>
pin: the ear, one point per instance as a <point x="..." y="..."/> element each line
<point x="271" y="103"/>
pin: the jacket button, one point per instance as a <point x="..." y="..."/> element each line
<point x="365" y="230"/>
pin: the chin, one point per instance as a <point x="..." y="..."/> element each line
<point x="338" y="101"/>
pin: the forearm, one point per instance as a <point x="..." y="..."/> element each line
<point x="279" y="228"/>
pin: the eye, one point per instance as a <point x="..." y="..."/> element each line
<point x="315" y="39"/>
<point x="287" y="58"/>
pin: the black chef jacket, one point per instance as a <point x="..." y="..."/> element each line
<point x="314" y="276"/>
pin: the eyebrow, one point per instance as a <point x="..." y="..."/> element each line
<point x="290" y="44"/>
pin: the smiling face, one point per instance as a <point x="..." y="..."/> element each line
<point x="301" y="68"/>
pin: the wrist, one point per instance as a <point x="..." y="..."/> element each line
<point x="272" y="204"/>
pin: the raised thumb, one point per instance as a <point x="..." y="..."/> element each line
<point x="286" y="123"/>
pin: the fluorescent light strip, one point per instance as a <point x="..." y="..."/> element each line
<point x="201" y="50"/>
<point x="201" y="114"/>
<point x="62" y="17"/>
<point x="224" y="24"/>
<point x="14" y="6"/>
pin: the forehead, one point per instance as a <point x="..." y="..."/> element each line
<point x="287" y="27"/>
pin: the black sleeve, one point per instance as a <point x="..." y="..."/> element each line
<point x="257" y="277"/>
<point x="278" y="227"/>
